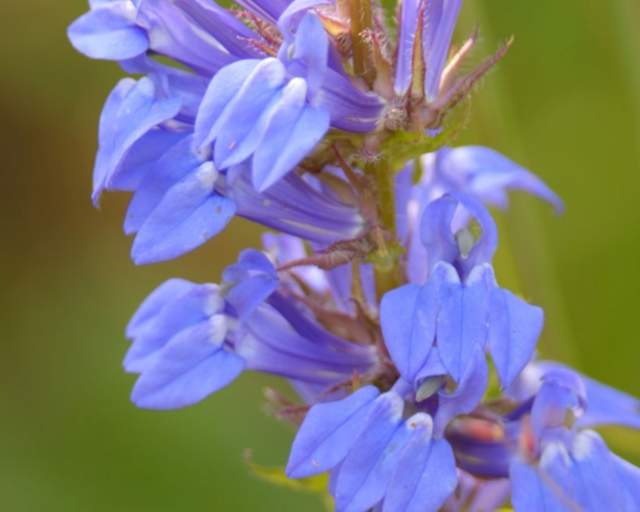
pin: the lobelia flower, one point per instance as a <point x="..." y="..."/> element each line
<point x="460" y="307"/>
<point x="559" y="464"/>
<point x="159" y="136"/>
<point x="376" y="297"/>
<point x="190" y="340"/>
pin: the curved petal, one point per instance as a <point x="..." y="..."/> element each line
<point x="109" y="32"/>
<point x="189" y="368"/>
<point x="189" y="214"/>
<point x="130" y="112"/>
<point x="328" y="433"/>
<point x="286" y="148"/>
<point x="365" y="472"/>
<point x="514" y="329"/>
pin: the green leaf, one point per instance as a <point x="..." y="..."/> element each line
<point x="276" y="475"/>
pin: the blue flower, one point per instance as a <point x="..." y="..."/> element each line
<point x="460" y="307"/>
<point x="375" y="454"/>
<point x="190" y="340"/>
<point x="188" y="145"/>
<point x="275" y="110"/>
<point x="562" y="467"/>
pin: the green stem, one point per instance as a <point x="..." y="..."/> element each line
<point x="386" y="260"/>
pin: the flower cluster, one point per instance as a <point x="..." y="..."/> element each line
<point x="375" y="295"/>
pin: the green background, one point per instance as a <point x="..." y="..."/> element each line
<point x="565" y="103"/>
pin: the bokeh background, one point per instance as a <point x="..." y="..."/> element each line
<point x="565" y="102"/>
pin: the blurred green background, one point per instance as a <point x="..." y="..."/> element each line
<point x="565" y="103"/>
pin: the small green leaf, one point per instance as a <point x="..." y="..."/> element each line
<point x="276" y="475"/>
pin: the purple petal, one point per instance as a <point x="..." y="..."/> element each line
<point x="328" y="433"/>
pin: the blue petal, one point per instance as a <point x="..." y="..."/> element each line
<point x="406" y="41"/>
<point x="142" y="158"/>
<point x="253" y="280"/>
<point x="529" y="492"/>
<point x="435" y="230"/>
<point x="189" y="368"/>
<point x="608" y="406"/>
<point x="311" y="48"/>
<point x="221" y="90"/>
<point x="514" y="329"/>
<point x="130" y="112"/>
<point x="426" y="475"/>
<point x="174" y="34"/>
<point x="280" y="115"/>
<point x="462" y="322"/>
<point x="172" y="308"/>
<point x="286" y="148"/>
<point x="484" y="249"/>
<point x="242" y="107"/>
<point x="630" y="478"/>
<point x="109" y="32"/>
<point x="408" y="326"/>
<point x="173" y="166"/>
<point x="438" y="31"/>
<point x="598" y="486"/>
<point x="365" y="472"/>
<point x="152" y="305"/>
<point x="408" y="319"/>
<point x="270" y="10"/>
<point x="228" y="30"/>
<point x="189" y="214"/>
<point x="488" y="174"/>
<point x="562" y="391"/>
<point x="328" y="433"/>
<point x="294" y="12"/>
<point x="467" y="395"/>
